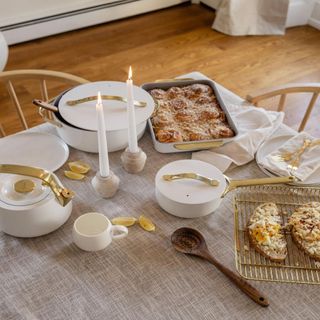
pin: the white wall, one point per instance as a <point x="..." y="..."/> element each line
<point x="315" y="15"/>
<point x="27" y="20"/>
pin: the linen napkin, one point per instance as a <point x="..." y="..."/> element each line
<point x="255" y="125"/>
<point x="309" y="160"/>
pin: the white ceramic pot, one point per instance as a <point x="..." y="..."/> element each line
<point x="87" y="141"/>
<point x="191" y="198"/>
<point x="77" y="124"/>
<point x="32" y="213"/>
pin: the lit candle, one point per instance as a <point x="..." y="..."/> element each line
<point x="132" y="130"/>
<point x="102" y="140"/>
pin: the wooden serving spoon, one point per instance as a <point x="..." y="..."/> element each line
<point x="191" y="241"/>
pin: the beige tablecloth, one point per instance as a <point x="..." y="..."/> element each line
<point x="141" y="276"/>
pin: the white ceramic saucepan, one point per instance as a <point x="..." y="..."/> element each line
<point x="74" y="114"/>
<point x="32" y="201"/>
<point x="193" y="188"/>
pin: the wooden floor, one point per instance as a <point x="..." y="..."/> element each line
<point x="168" y="43"/>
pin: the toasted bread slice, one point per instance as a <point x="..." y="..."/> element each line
<point x="305" y="222"/>
<point x="265" y="232"/>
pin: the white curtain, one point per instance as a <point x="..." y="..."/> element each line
<point x="251" y="17"/>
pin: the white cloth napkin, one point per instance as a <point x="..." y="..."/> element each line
<point x="255" y="125"/>
<point x="309" y="160"/>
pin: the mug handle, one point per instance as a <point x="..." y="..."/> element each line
<point x="117" y="228"/>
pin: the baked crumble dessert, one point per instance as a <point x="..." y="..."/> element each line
<point x="265" y="232"/>
<point x="305" y="223"/>
<point x="188" y="113"/>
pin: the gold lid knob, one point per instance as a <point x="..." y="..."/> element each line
<point x="24" y="186"/>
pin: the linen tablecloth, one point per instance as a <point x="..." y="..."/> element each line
<point x="141" y="276"/>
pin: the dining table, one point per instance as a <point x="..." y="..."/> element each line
<point x="141" y="276"/>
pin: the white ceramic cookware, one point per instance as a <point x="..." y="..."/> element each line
<point x="32" y="201"/>
<point x="77" y="124"/>
<point x="193" y="188"/>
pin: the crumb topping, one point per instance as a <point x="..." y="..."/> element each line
<point x="265" y="228"/>
<point x="188" y="113"/>
<point x="305" y="222"/>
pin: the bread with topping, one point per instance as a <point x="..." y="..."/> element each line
<point x="305" y="224"/>
<point x="265" y="232"/>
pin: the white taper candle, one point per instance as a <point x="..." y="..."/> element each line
<point x="102" y="140"/>
<point x="132" y="130"/>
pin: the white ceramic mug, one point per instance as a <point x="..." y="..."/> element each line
<point x="93" y="231"/>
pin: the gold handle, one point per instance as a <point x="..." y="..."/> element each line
<point x="140" y="104"/>
<point x="62" y="194"/>
<point x="198" y="145"/>
<point x="173" y="80"/>
<point x="191" y="175"/>
<point x="233" y="184"/>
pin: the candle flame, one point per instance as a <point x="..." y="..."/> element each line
<point x="99" y="98"/>
<point x="130" y="73"/>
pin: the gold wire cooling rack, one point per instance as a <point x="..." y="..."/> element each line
<point x="297" y="267"/>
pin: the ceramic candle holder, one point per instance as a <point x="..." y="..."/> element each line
<point x="106" y="187"/>
<point x="133" y="162"/>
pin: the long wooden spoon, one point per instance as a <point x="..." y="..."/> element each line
<point x="191" y="241"/>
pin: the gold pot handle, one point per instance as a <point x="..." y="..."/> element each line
<point x="233" y="184"/>
<point x="62" y="194"/>
<point x="198" y="145"/>
<point x="173" y="80"/>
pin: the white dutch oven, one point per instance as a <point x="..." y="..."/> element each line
<point x="193" y="188"/>
<point x="32" y="212"/>
<point x="77" y="124"/>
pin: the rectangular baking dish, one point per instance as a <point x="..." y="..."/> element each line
<point x="189" y="145"/>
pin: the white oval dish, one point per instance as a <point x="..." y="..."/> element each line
<point x="34" y="149"/>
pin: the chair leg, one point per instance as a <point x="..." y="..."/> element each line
<point x="308" y="112"/>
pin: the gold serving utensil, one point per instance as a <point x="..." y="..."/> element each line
<point x="295" y="156"/>
<point x="141" y="104"/>
<point x="191" y="175"/>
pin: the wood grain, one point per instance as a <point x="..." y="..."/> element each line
<point x="167" y="43"/>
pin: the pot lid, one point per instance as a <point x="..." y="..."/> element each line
<point x="83" y="115"/>
<point x="34" y="149"/>
<point x="190" y="191"/>
<point x="17" y="190"/>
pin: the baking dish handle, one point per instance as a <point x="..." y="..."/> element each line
<point x="198" y="145"/>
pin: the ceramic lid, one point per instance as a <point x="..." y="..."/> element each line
<point x="34" y="149"/>
<point x="10" y="196"/>
<point x="189" y="191"/>
<point x="84" y="115"/>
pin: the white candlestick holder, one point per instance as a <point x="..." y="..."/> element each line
<point x="133" y="162"/>
<point x="106" y="187"/>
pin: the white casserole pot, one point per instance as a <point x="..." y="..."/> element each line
<point x="77" y="124"/>
<point x="193" y="188"/>
<point x="32" y="211"/>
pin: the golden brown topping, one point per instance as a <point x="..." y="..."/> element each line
<point x="169" y="136"/>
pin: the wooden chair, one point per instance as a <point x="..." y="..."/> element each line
<point x="43" y="76"/>
<point x="283" y="91"/>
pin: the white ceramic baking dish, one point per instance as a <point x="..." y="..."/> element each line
<point x="189" y="145"/>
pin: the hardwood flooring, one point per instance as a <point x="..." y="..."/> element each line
<point x="165" y="44"/>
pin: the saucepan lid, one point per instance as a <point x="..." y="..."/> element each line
<point x="77" y="106"/>
<point x="198" y="182"/>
